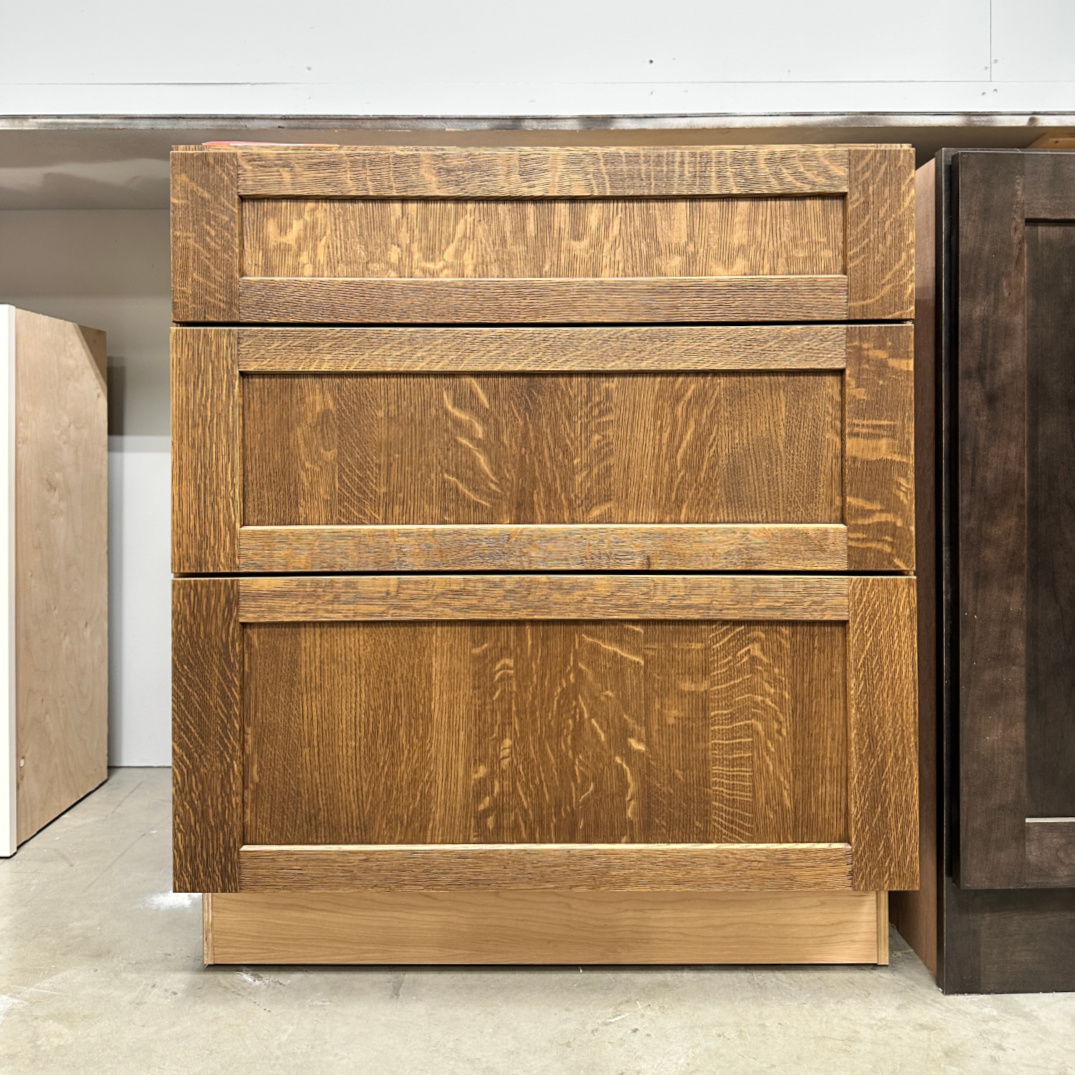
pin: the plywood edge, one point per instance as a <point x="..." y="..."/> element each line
<point x="535" y="928"/>
<point x="577" y="867"/>
<point x="591" y="547"/>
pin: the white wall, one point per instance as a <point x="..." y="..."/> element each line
<point x="562" y="57"/>
<point x="109" y="269"/>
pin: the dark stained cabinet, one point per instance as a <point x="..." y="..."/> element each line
<point x="997" y="908"/>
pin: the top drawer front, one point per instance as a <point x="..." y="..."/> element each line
<point x="418" y="235"/>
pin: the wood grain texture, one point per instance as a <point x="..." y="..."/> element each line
<point x="655" y="867"/>
<point x="507" y="597"/>
<point x="542" y="172"/>
<point x="778" y="719"/>
<point x="206" y="468"/>
<point x="446" y="301"/>
<point x="879" y="477"/>
<point x="880" y="233"/>
<point x="541" y="927"/>
<point x="593" y="349"/>
<point x="570" y="239"/>
<point x="991" y="552"/>
<point x="504" y="448"/>
<point x="917" y="914"/>
<point x="541" y="732"/>
<point x="1050" y="542"/>
<point x="591" y="547"/>
<point x="1050" y="852"/>
<point x="883" y="733"/>
<point x="1048" y="194"/>
<point x="882" y="928"/>
<point x="1009" y="941"/>
<point x="205" y="236"/>
<point x="207" y="735"/>
<point x="60" y="597"/>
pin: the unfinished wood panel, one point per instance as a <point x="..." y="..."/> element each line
<point x="526" y="448"/>
<point x="990" y="506"/>
<point x="207" y="741"/>
<point x="60" y="567"/>
<point x="593" y="547"/>
<point x="880" y="233"/>
<point x="656" y="867"/>
<point x="882" y="733"/>
<point x="882" y="928"/>
<point x="778" y="750"/>
<point x="543" y="172"/>
<point x="205" y="236"/>
<point x="879" y="479"/>
<point x="557" y="732"/>
<point x="545" y="597"/>
<point x="917" y="914"/>
<point x="575" y="238"/>
<point x="592" y="349"/>
<point x="1050" y="518"/>
<point x="541" y="927"/>
<point x="206" y="469"/>
<point x="1050" y="852"/>
<point x="448" y="301"/>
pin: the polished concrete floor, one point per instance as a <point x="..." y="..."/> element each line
<point x="100" y="971"/>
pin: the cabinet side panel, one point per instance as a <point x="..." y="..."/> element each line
<point x="61" y="566"/>
<point x="916" y="914"/>
<point x="207" y="748"/>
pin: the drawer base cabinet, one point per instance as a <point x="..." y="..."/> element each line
<point x="410" y="386"/>
<point x="504" y="744"/>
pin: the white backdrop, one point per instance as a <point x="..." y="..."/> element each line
<point x="561" y="57"/>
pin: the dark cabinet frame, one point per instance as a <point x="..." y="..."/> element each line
<point x="995" y="412"/>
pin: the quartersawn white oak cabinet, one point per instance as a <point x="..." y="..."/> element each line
<point x="54" y="577"/>
<point x="543" y="525"/>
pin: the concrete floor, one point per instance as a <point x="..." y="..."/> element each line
<point x="100" y="971"/>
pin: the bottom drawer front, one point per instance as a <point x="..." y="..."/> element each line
<point x="736" y="732"/>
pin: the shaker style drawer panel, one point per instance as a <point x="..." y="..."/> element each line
<point x="426" y="235"/>
<point x="571" y="731"/>
<point x="658" y="448"/>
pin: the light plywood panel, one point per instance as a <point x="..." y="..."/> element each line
<point x="541" y="927"/>
<point x="61" y="572"/>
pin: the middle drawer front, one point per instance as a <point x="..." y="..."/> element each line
<point x="648" y="448"/>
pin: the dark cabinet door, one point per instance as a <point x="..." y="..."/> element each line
<point x="1014" y="500"/>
